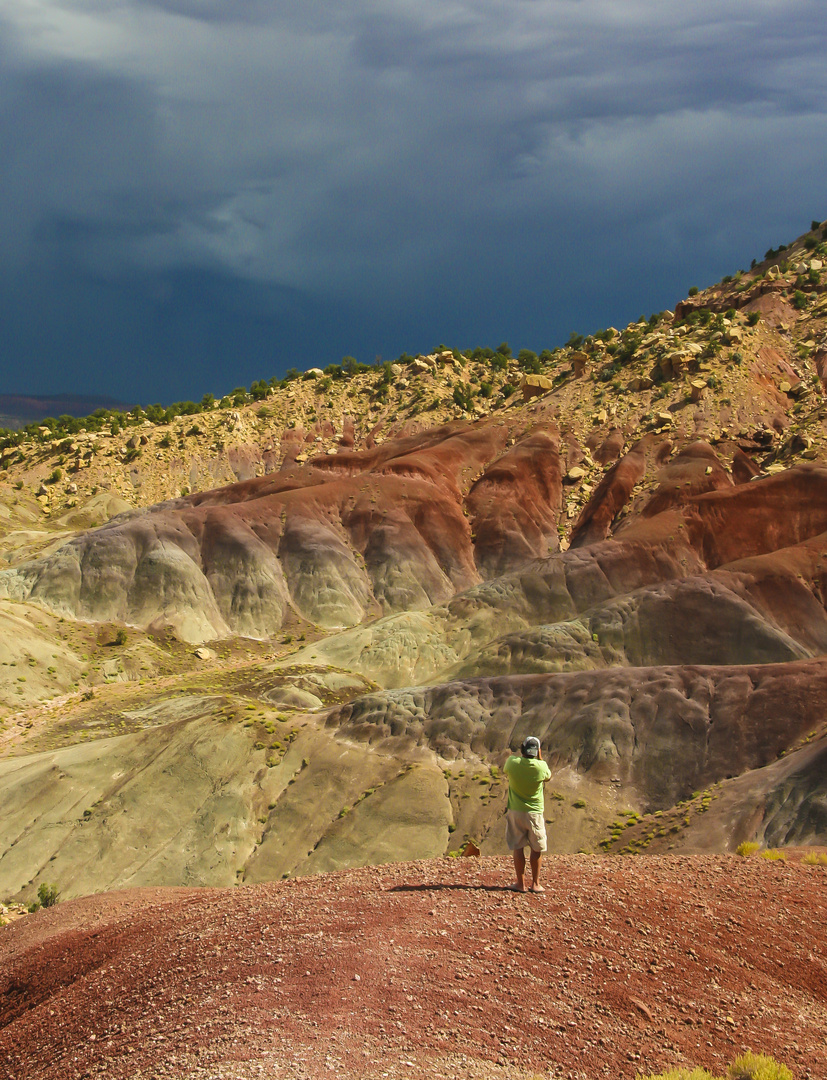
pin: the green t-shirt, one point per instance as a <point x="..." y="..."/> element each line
<point x="525" y="783"/>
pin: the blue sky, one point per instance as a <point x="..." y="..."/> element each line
<point x="200" y="193"/>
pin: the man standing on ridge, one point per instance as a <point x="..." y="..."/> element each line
<point x="524" y="822"/>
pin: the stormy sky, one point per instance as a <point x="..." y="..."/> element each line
<point x="198" y="193"/>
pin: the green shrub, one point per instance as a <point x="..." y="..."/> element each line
<point x="694" y="290"/>
<point x="752" y="318"/>
<point x="757" y="1067"/>
<point x="747" y="1067"/>
<point x="773" y="854"/>
<point x="48" y="895"/>
<point x="799" y="300"/>
<point x="748" y="847"/>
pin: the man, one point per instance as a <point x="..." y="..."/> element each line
<point x="524" y="822"/>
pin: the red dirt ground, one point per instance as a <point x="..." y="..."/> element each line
<point x="428" y="969"/>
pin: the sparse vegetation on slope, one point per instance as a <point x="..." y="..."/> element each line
<point x="634" y="521"/>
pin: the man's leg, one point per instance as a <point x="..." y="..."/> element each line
<point x="519" y="868"/>
<point x="535" y="870"/>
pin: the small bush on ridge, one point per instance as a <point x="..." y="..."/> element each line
<point x="749" y="847"/>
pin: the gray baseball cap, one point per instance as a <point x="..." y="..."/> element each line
<point x="530" y="747"/>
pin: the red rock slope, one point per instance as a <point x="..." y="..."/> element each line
<point x="429" y="969"/>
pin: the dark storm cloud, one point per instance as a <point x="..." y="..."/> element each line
<point x="205" y="183"/>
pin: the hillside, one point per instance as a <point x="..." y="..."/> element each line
<point x="623" y="967"/>
<point x="308" y="626"/>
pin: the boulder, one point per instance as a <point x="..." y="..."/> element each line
<point x="579" y="362"/>
<point x="535" y="386"/>
<point x="673" y="364"/>
<point x="696" y="389"/>
<point x="640" y="383"/>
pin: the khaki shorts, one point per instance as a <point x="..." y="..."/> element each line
<point x="525" y="827"/>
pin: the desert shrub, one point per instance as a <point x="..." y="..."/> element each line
<point x="815" y="858"/>
<point x="748" y="847"/>
<point x="799" y="300"/>
<point x="747" y="1067"/>
<point x="120" y="637"/>
<point x="48" y="895"/>
<point x="463" y="397"/>
<point x="694" y="290"/>
<point x="629" y="346"/>
<point x="752" y="318"/>
<point x="810" y="243"/>
<point x="773" y="854"/>
<point x="55" y="475"/>
<point x="757" y="1067"/>
<point x="529" y="361"/>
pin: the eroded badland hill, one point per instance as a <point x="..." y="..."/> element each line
<point x="295" y="632"/>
